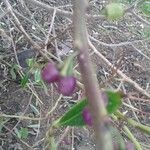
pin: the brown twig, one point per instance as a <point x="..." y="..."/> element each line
<point x="9" y="7"/>
<point x="21" y="117"/>
<point x="49" y="8"/>
<point x="63" y="135"/>
<point x="61" y="12"/>
<point x="98" y="111"/>
<point x="4" y="14"/>
<point x="125" y="78"/>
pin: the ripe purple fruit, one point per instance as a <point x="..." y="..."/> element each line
<point x="66" y="85"/>
<point x="50" y="73"/>
<point x="87" y="116"/>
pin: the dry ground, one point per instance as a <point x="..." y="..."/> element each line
<point x="122" y="43"/>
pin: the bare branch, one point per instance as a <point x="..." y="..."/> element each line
<point x="49" y="8"/>
<point x="125" y="78"/>
<point x="9" y="7"/>
<point x="59" y="11"/>
<point x="118" y="44"/>
<point x="140" y="18"/>
<point x="4" y="14"/>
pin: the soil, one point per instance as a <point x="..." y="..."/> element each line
<point x="18" y="101"/>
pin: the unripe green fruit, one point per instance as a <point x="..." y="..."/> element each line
<point x="114" y="11"/>
<point x="146" y="7"/>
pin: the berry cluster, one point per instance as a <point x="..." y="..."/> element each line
<point x="65" y="84"/>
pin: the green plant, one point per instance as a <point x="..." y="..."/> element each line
<point x="114" y="11"/>
<point x="92" y="110"/>
<point x="145" y="7"/>
<point x="22" y="133"/>
<point x="75" y="117"/>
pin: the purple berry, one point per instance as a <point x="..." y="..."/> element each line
<point x="86" y="113"/>
<point x="50" y="73"/>
<point x="87" y="116"/>
<point x="66" y="85"/>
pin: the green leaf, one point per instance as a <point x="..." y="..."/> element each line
<point x="30" y="62"/>
<point x="23" y="133"/>
<point x="146" y="7"/>
<point x="37" y="75"/>
<point x="67" y="69"/>
<point x="114" y="101"/>
<point x="13" y="71"/>
<point x="146" y="32"/>
<point x="24" y="80"/>
<point x="114" y="11"/>
<point x="74" y="116"/>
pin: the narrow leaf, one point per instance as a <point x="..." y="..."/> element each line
<point x="67" y="69"/>
<point x="22" y="133"/>
<point x="146" y="7"/>
<point x="24" y="80"/>
<point x="42" y="84"/>
<point x="34" y="109"/>
<point x="37" y="75"/>
<point x="146" y="32"/>
<point x="30" y="62"/>
<point x="114" y="101"/>
<point x="74" y="116"/>
<point x="13" y="71"/>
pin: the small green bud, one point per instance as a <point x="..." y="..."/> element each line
<point x="114" y="11"/>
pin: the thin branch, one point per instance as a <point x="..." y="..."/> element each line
<point x="30" y="21"/>
<point x="95" y="100"/>
<point x="61" y="12"/>
<point x="4" y="14"/>
<point x="131" y="137"/>
<point x="55" y="106"/>
<point x="9" y="7"/>
<point x="20" y="27"/>
<point x="14" y="46"/>
<point x="125" y="78"/>
<point x="49" y="8"/>
<point x="21" y="117"/>
<point x="140" y="18"/>
<point x="63" y="135"/>
<point x="144" y="128"/>
<point x="50" y="30"/>
<point x="118" y="44"/>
